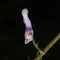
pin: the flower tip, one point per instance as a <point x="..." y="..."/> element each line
<point x="24" y="11"/>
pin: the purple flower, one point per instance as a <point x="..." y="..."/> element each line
<point x="28" y="26"/>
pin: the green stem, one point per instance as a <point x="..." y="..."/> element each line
<point x="47" y="47"/>
<point x="51" y="43"/>
<point x="36" y="46"/>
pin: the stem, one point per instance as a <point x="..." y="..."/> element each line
<point x="36" y="46"/>
<point x="29" y="58"/>
<point x="51" y="43"/>
<point x="48" y="47"/>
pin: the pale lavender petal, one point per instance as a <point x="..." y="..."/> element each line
<point x="28" y="30"/>
<point x="26" y="20"/>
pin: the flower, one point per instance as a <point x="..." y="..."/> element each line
<point x="28" y="26"/>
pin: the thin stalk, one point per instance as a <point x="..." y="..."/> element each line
<point x="36" y="46"/>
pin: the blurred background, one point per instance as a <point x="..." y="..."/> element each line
<point x="45" y="18"/>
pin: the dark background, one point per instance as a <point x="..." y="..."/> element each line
<point x="45" y="18"/>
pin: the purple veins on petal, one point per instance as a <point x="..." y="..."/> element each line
<point x="30" y="32"/>
<point x="28" y="28"/>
